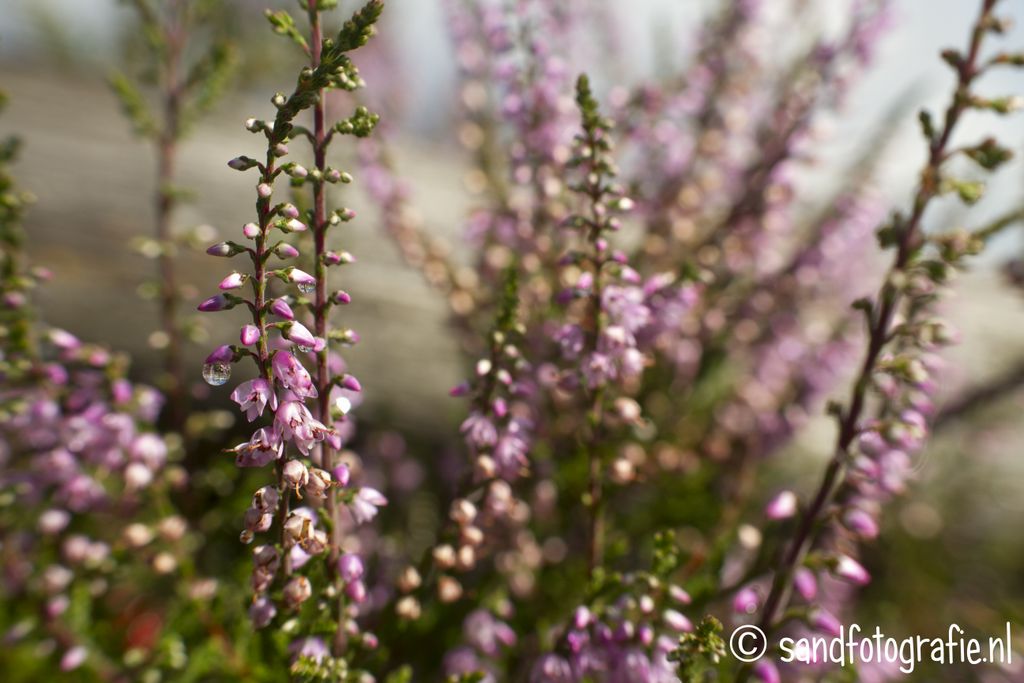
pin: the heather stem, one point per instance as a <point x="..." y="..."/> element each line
<point x="320" y="312"/>
<point x="879" y="334"/>
<point x="167" y="148"/>
<point x="595" y="414"/>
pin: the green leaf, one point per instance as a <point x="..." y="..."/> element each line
<point x="133" y="105"/>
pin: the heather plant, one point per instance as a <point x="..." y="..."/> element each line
<point x="89" y="532"/>
<point x="651" y="303"/>
<point x="188" y="74"/>
<point x="303" y="569"/>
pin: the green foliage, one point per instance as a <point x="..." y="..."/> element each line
<point x="360" y="124"/>
<point x="699" y="650"/>
<point x="134" y="105"/>
<point x="989" y="154"/>
<point x="284" y="25"/>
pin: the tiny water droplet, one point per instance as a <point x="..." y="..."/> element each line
<point x="306" y="287"/>
<point x="246" y="537"/>
<point x="303" y="349"/>
<point x="217" y="374"/>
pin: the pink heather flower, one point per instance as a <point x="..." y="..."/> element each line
<point x="850" y="570"/>
<point x="479" y="430"/>
<point x="552" y="669"/>
<point x="249" y="335"/>
<point x="311" y="648"/>
<point x="350" y="567"/>
<point x="264" y="446"/>
<point x="281" y="309"/>
<point x="782" y="506"/>
<point x="365" y="503"/>
<point x="232" y="281"/>
<point x="250" y="230"/>
<point x="297" y="424"/>
<point x="262" y="612"/>
<point x="745" y="601"/>
<point x="215" y="303"/>
<point x="292" y="375"/>
<point x="253" y="396"/>
<point x="487" y="633"/>
<point x="342" y="297"/>
<point x="148" y="449"/>
<point x="299" y="334"/>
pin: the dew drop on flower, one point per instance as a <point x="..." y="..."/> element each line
<point x="217" y="374"/>
<point x="246" y="536"/>
<point x="306" y="287"/>
<point x="303" y="349"/>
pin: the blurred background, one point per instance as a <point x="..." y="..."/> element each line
<point x="952" y="549"/>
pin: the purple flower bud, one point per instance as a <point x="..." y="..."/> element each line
<point x="745" y="601"/>
<point x="677" y="621"/>
<point x="826" y="622"/>
<point x="350" y="567"/>
<point x="861" y="523"/>
<point x="342" y="475"/>
<point x="242" y="163"/>
<point x="459" y="390"/>
<point x="286" y="251"/>
<point x="850" y="570"/>
<point x="806" y="583"/>
<point x="264" y="190"/>
<point x="294" y="225"/>
<point x="250" y="230"/>
<point x="249" y="335"/>
<point x="233" y="281"/>
<point x="351" y="383"/>
<point x="223" y="249"/>
<point x="64" y="340"/>
<point x="301" y="278"/>
<point x="215" y="303"/>
<point x="289" y="211"/>
<point x="679" y="595"/>
<point x="342" y="297"/>
<point x="298" y="334"/>
<point x="766" y="672"/>
<point x="73" y="658"/>
<point x="356" y="591"/>
<point x="337" y="258"/>
<point x="281" y="309"/>
<point x="782" y="506"/>
<point x="221" y="354"/>
<point x="581" y="618"/>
